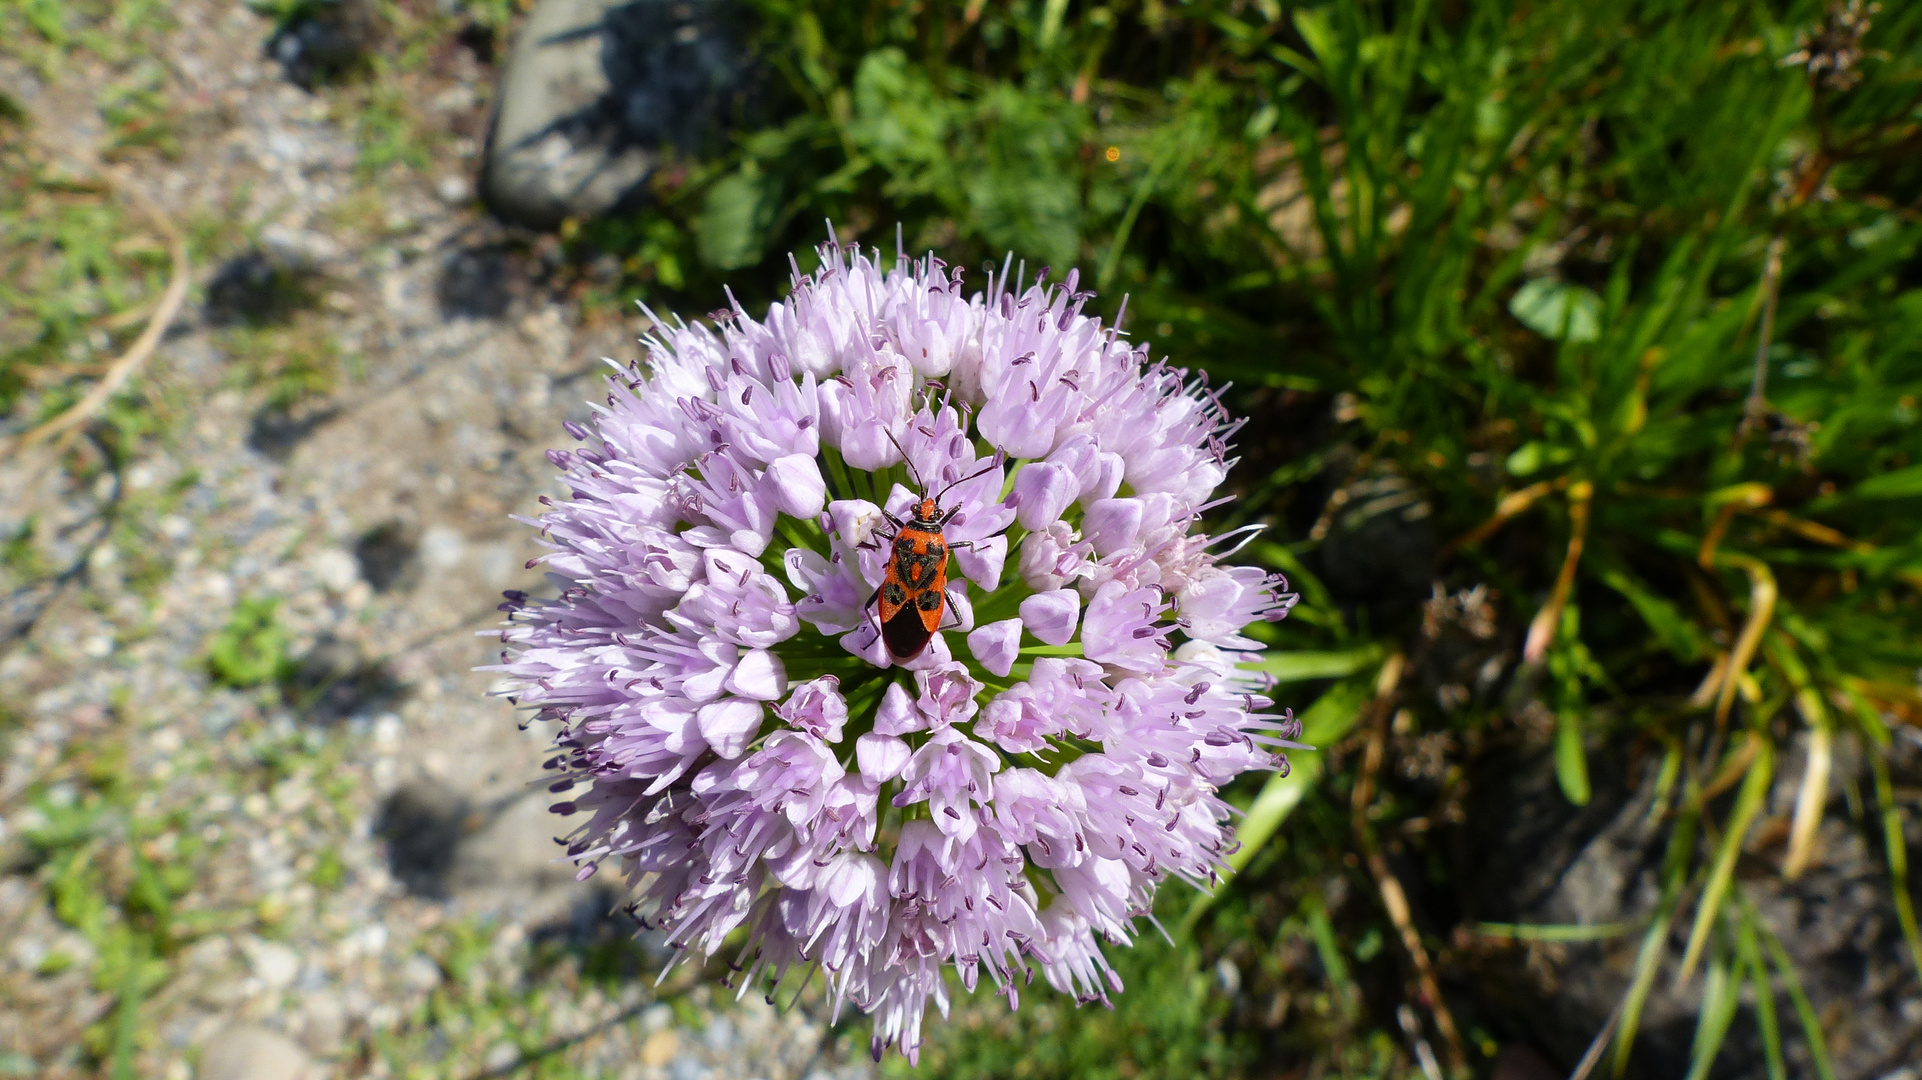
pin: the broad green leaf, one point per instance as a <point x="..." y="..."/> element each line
<point x="730" y="229"/>
<point x="1558" y="311"/>
<point x="1289" y="667"/>
<point x="900" y="122"/>
<point x="1530" y="457"/>
<point x="1900" y="484"/>
<point x="1571" y="760"/>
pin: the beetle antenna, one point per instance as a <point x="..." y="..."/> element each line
<point x="983" y="471"/>
<point x="913" y="473"/>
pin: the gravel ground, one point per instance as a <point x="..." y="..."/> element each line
<point x="353" y="856"/>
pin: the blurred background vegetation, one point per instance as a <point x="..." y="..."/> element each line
<point x="1589" y="335"/>
<point x="1583" y="344"/>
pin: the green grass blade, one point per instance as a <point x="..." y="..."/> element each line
<point x="1758" y="973"/>
<point x="1721" y="993"/>
<point x="1748" y="802"/>
<point x="1894" y="847"/>
<point x="1811" y="1024"/>
<point x="1571" y="759"/>
<point x="1647" y="961"/>
<point x="1896" y="853"/>
<point x="1289" y="667"/>
<point x="1554" y="932"/>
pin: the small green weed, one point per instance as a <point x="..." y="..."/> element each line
<point x="139" y="115"/>
<point x="251" y="650"/>
<point x="116" y="874"/>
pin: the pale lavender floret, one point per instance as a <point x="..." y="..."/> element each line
<point x="729" y="725"/>
<point x="796" y="485"/>
<point x="1122" y="627"/>
<point x="897" y="714"/>
<point x="1020" y="720"/>
<point x="1041" y="492"/>
<point x="711" y="648"/>
<point x="996" y="645"/>
<point x="1034" y="810"/>
<point x="948" y="694"/>
<point x="817" y="707"/>
<point x="1051" y="616"/>
<point x="881" y="757"/>
<point x="1053" y="557"/>
<point x="953" y="774"/>
<point x="865" y="405"/>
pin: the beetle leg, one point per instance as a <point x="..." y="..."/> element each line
<point x="872" y="543"/>
<point x="952" y="609"/>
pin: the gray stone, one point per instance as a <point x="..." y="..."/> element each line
<point x="246" y="1052"/>
<point x="594" y="89"/>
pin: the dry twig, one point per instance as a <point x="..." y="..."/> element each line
<point x="1393" y="898"/>
<point x="1542" y="631"/>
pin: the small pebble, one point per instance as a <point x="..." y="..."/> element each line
<point x="246" y="1052"/>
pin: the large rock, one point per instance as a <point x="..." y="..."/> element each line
<point x="1536" y="859"/>
<point x="594" y="92"/>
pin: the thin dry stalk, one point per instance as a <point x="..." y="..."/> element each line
<point x="1511" y="504"/>
<point x="1761" y="607"/>
<point x="1757" y="406"/>
<point x="1393" y="898"/>
<point x="1740" y="497"/>
<point x="1542" y="631"/>
<point x="143" y="347"/>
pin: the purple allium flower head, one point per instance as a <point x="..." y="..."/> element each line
<point x="741" y="746"/>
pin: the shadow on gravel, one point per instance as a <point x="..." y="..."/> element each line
<point x="22" y="605"/>
<point x="606" y="940"/>
<point x="252" y="289"/>
<point x="389" y="556"/>
<point x="319" y="42"/>
<point x="481" y="281"/>
<point x="422" y="825"/>
<point x="277" y="430"/>
<point x="1550" y="863"/>
<point x="333" y="681"/>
